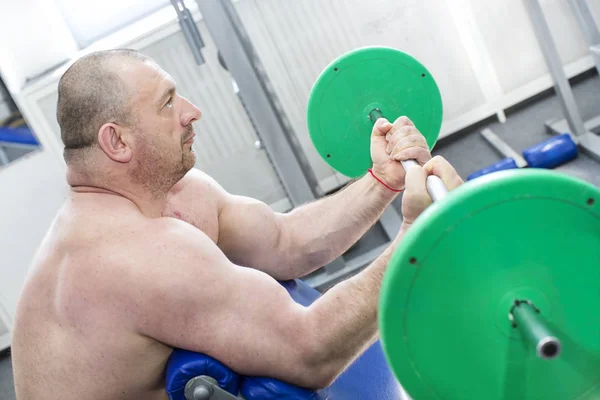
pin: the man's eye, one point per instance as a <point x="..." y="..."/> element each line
<point x="169" y="103"/>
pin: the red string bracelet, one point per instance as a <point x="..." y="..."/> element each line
<point x="383" y="183"/>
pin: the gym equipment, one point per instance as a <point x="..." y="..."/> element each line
<point x="512" y="158"/>
<point x="582" y="131"/>
<point x="498" y="320"/>
<point x="15" y="137"/>
<point x="195" y="376"/>
<point x="552" y="152"/>
<point x="358" y="88"/>
<point x="488" y="295"/>
<point x="503" y="318"/>
<point x="548" y="154"/>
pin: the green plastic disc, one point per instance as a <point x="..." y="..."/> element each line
<point x="527" y="235"/>
<point x="358" y="82"/>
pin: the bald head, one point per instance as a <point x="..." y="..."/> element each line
<point x="91" y="93"/>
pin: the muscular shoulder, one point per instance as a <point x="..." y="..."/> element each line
<point x="170" y="265"/>
<point x="196" y="199"/>
<point x="172" y="238"/>
<point x="194" y="185"/>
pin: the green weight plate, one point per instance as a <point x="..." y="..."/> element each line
<point x="448" y="291"/>
<point x="358" y="82"/>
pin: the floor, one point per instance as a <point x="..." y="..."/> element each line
<point x="469" y="152"/>
<point x="525" y="127"/>
<point x="7" y="390"/>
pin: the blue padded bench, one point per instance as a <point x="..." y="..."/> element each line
<point x="369" y="377"/>
<point x="20" y="137"/>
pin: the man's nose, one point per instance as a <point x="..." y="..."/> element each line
<point x="190" y="113"/>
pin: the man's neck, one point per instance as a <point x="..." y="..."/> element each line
<point x="150" y="202"/>
<point x="151" y="206"/>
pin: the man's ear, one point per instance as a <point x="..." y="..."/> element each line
<point x="113" y="140"/>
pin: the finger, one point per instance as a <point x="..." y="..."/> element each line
<point x="413" y="147"/>
<point x="401" y="123"/>
<point x="416" y="187"/>
<point x="419" y="154"/>
<point x="395" y="134"/>
<point x="439" y="166"/>
<point x="399" y="143"/>
<point x="381" y="127"/>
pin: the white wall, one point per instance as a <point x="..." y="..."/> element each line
<point x="483" y="54"/>
<point x="32" y="189"/>
<point x="35" y="38"/>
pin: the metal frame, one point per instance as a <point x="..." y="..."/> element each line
<point x="189" y="29"/>
<point x="4" y="158"/>
<point x="274" y="130"/>
<point x="588" y="27"/>
<point x="502" y="147"/>
<point x="235" y="48"/>
<point x="6" y="321"/>
<point x="204" y="387"/>
<point x="582" y="132"/>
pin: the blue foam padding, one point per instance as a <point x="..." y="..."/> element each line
<point x="184" y="365"/>
<point x="267" y="388"/>
<point x="507" y="163"/>
<point x="17" y="136"/>
<point x="369" y="377"/>
<point x="551" y="153"/>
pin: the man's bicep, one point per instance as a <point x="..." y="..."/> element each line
<point x="199" y="301"/>
<point x="252" y="234"/>
<point x="239" y="219"/>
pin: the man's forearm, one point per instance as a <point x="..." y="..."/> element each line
<point x="344" y="319"/>
<point x="315" y="234"/>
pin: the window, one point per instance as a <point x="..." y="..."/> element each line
<point x="92" y="20"/>
<point x="16" y="139"/>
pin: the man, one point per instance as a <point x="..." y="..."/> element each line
<point x="116" y="285"/>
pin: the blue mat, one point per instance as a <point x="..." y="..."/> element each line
<point x="17" y="136"/>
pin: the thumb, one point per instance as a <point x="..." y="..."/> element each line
<point x="442" y="168"/>
<point x="415" y="182"/>
<point x="415" y="199"/>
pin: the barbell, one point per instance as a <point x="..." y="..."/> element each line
<point x="494" y="290"/>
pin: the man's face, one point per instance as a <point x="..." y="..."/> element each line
<point x="163" y="133"/>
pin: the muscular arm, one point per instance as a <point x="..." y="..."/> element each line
<point x="290" y="245"/>
<point x="191" y="296"/>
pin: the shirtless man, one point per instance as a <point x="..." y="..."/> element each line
<point x="117" y="283"/>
